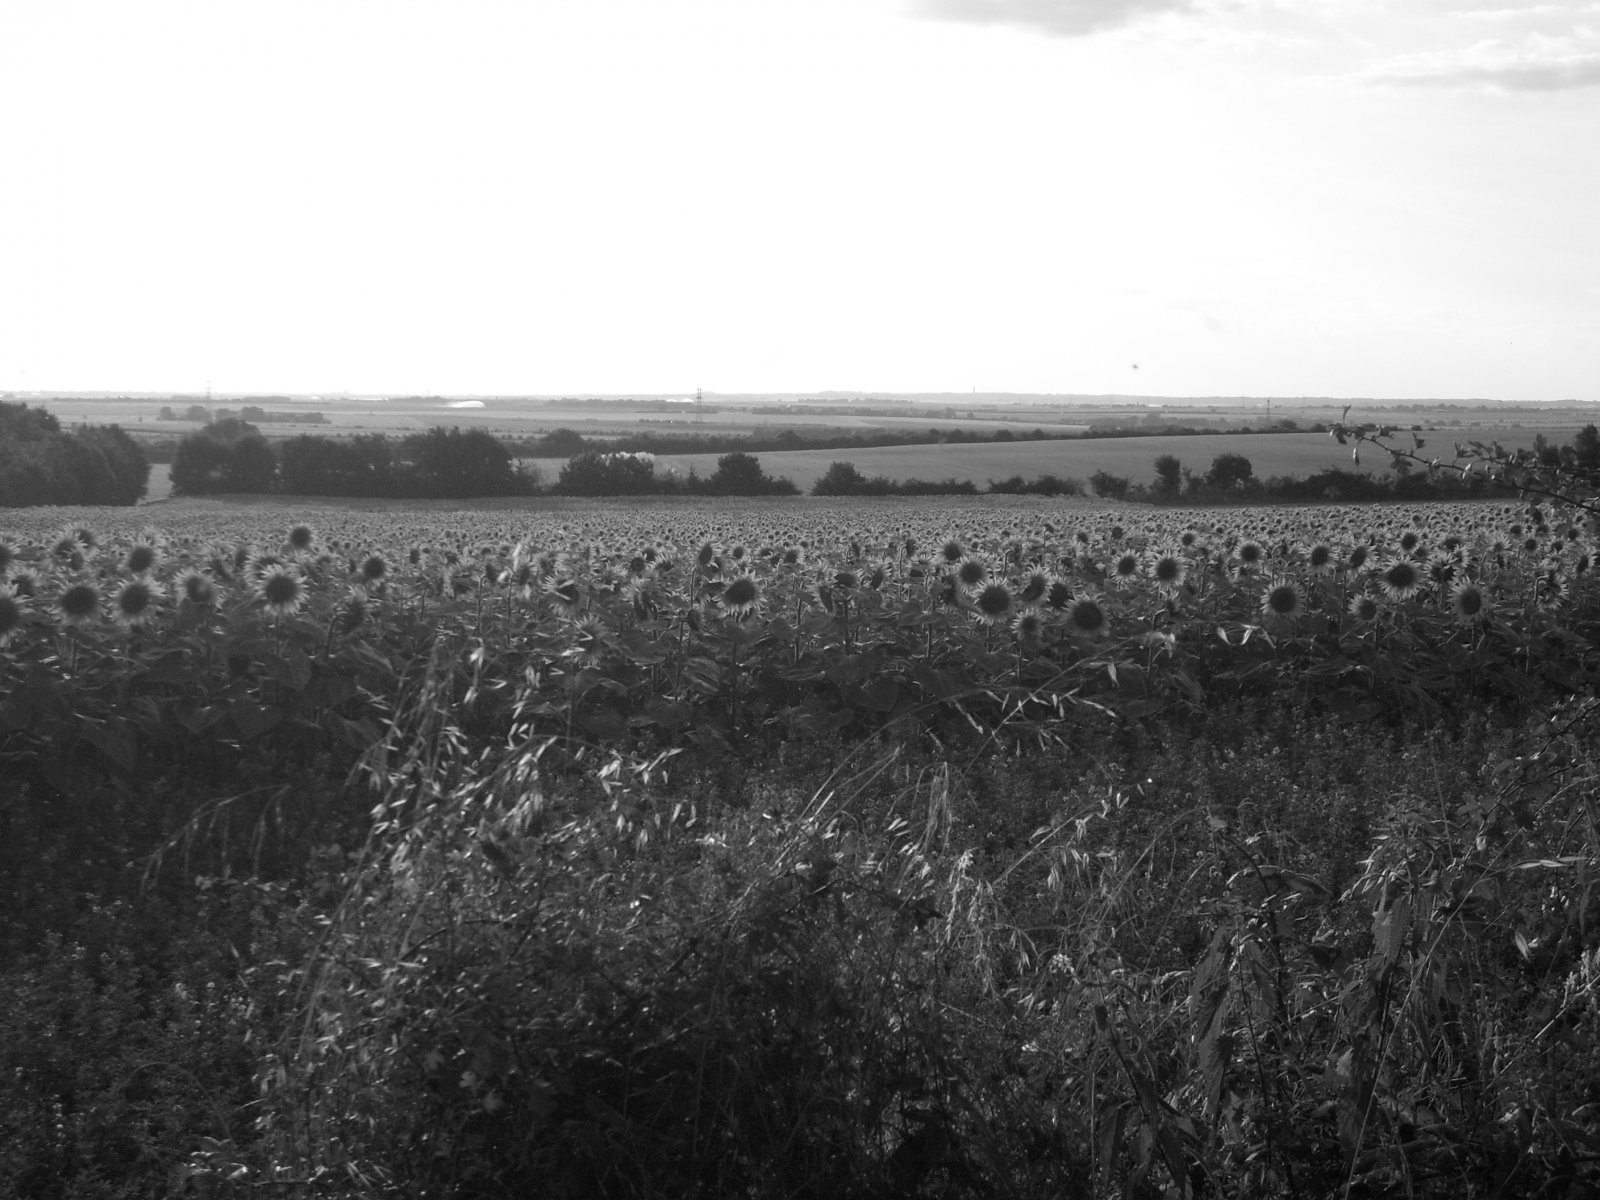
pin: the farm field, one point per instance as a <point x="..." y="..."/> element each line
<point x="1269" y="453"/>
<point x="673" y="847"/>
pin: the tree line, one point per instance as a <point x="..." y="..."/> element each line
<point x="232" y="456"/>
<point x="567" y="443"/>
<point x="41" y="463"/>
<point x="1231" y="479"/>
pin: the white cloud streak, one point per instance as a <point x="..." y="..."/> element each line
<point x="1064" y="18"/>
<point x="1538" y="63"/>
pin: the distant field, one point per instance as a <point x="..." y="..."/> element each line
<point x="1269" y="453"/>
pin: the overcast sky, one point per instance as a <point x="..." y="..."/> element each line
<point x="1387" y="198"/>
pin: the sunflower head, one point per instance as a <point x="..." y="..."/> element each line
<point x="992" y="603"/>
<point x="1086" y="617"/>
<point x="142" y="559"/>
<point x="564" y="594"/>
<point x="741" y="597"/>
<point x="972" y="574"/>
<point x="197" y="589"/>
<point x="1467" y="602"/>
<point x="10" y="614"/>
<point x="79" y="604"/>
<point x="281" y="590"/>
<point x="1365" y="607"/>
<point x="1168" y="570"/>
<point x="1400" y="579"/>
<point x="1283" y="599"/>
<point x="135" y="602"/>
<point x="1028" y="628"/>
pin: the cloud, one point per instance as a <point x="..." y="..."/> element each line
<point x="1525" y="13"/>
<point x="1065" y="18"/>
<point x="1538" y="63"/>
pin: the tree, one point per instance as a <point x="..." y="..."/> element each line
<point x="1229" y="471"/>
<point x="594" y="474"/>
<point x="562" y="443"/>
<point x="200" y="467"/>
<point x="1586" y="448"/>
<point x="456" y="464"/>
<point x="226" y="456"/>
<point x="1169" y="475"/>
<point x="840" y="479"/>
<point x="740" y="474"/>
<point x="1112" y="487"/>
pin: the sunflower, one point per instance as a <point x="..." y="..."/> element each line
<point x="301" y="538"/>
<point x="565" y="596"/>
<point x="196" y="588"/>
<point x="135" y="602"/>
<point x="1550" y="589"/>
<point x="972" y="574"/>
<point x="79" y="604"/>
<point x="143" y="558"/>
<point x="1168" y="570"/>
<point x="952" y="552"/>
<point x="588" y="642"/>
<point x="10" y="614"/>
<point x="1365" y="607"/>
<point x="281" y="590"/>
<point x="741" y="597"/>
<point x="1034" y="590"/>
<point x="373" y="568"/>
<point x="1126" y="568"/>
<point x="1085" y="616"/>
<point x="1028" y="628"/>
<point x="1400" y="579"/>
<point x="1058" y="595"/>
<point x="1320" y="559"/>
<point x="1283" y="598"/>
<point x="1467" y="602"/>
<point x="993" y="603"/>
<point x="1358" y="558"/>
<point x="1251" y="556"/>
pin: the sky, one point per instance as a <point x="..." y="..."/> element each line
<point x="1356" y="198"/>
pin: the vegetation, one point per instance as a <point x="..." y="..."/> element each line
<point x="989" y="845"/>
<point x="40" y="463"/>
<point x="567" y="443"/>
<point x="232" y="456"/>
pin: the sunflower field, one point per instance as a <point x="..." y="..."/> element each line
<point x="992" y="845"/>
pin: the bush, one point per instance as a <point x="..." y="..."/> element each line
<point x="42" y="464"/>
<point x="741" y="474"/>
<point x="225" y="456"/>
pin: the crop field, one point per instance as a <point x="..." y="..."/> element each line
<point x="626" y="848"/>
<point x="1270" y="454"/>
